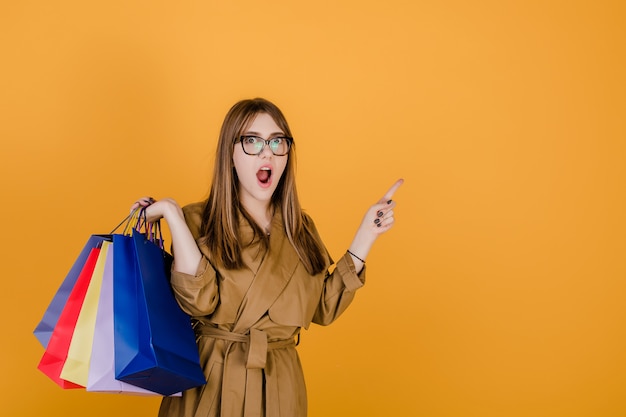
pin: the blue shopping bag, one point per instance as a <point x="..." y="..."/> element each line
<point x="155" y="346"/>
<point x="101" y="376"/>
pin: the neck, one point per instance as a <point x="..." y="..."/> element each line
<point x="261" y="212"/>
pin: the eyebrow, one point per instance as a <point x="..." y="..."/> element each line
<point x="250" y="133"/>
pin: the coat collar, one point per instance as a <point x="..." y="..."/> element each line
<point x="272" y="277"/>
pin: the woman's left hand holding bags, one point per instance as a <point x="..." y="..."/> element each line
<point x="184" y="245"/>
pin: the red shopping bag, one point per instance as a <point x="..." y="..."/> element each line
<point x="56" y="352"/>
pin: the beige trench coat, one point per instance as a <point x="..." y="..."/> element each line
<point x="246" y="321"/>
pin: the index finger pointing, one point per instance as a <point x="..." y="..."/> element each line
<point x="392" y="190"/>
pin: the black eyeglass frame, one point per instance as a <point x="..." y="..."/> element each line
<point x="288" y="139"/>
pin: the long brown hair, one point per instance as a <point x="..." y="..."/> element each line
<point x="220" y="218"/>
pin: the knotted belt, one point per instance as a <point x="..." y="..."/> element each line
<point x="239" y="382"/>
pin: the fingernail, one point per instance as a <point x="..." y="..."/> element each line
<point x="389" y="202"/>
<point x="376" y="221"/>
<point x="380" y="214"/>
<point x="378" y="225"/>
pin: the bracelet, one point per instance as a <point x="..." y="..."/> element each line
<point x="355" y="256"/>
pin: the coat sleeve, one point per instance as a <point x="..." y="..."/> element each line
<point x="198" y="294"/>
<point x="339" y="288"/>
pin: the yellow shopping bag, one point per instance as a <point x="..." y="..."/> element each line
<point x="76" y="367"/>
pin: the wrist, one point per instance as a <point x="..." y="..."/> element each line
<point x="356" y="256"/>
<point x="359" y="249"/>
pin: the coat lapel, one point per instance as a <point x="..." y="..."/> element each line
<point x="273" y="275"/>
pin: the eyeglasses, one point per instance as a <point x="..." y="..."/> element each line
<point x="254" y="145"/>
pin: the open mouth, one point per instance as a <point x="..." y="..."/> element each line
<point x="264" y="175"/>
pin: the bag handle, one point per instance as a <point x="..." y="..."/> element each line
<point x="152" y="231"/>
<point x="138" y="220"/>
<point x="130" y="220"/>
<point x="157" y="234"/>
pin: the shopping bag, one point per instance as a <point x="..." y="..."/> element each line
<point x="76" y="366"/>
<point x="44" y="329"/>
<point x="101" y="376"/>
<point x="155" y="345"/>
<point x="56" y="351"/>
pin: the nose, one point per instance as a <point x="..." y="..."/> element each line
<point x="266" y="151"/>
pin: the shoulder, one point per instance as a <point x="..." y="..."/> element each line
<point x="194" y="209"/>
<point x="311" y="230"/>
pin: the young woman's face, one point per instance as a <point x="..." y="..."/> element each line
<point x="260" y="174"/>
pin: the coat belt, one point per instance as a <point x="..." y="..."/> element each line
<point x="238" y="383"/>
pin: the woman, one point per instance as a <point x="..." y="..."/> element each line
<point x="251" y="270"/>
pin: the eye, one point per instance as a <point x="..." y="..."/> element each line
<point x="250" y="140"/>
<point x="276" y="143"/>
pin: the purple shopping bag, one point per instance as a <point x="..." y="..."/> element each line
<point x="44" y="329"/>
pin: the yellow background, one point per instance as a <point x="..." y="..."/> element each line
<point x="501" y="290"/>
